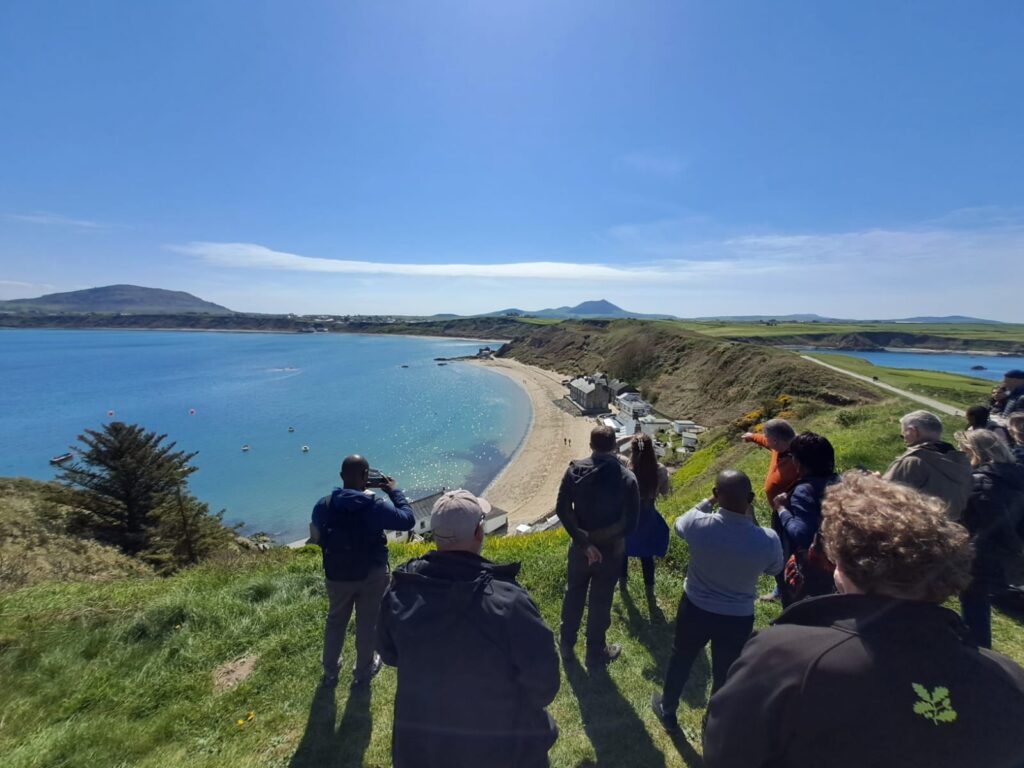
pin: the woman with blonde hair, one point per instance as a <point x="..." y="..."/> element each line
<point x="994" y="517"/>
<point x="881" y="673"/>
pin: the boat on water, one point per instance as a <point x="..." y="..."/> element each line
<point x="442" y="363"/>
<point x="58" y="460"/>
<point x="305" y="449"/>
<point x="291" y="429"/>
<point x="245" y="448"/>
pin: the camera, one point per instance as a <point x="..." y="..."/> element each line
<point x="376" y="479"/>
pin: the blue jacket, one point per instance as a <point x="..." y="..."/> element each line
<point x="1014" y="402"/>
<point x="801" y="518"/>
<point x="350" y="529"/>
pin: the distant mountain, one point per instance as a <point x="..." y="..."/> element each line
<point x="587" y="310"/>
<point x="131" y="299"/>
<point x="780" y="318"/>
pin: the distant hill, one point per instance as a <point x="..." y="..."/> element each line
<point x="132" y="299"/>
<point x="948" y="319"/>
<point x="600" y="309"/>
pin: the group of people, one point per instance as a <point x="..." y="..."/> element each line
<point x="864" y="666"/>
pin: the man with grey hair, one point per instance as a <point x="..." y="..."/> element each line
<point x="930" y="464"/>
<point x="476" y="663"/>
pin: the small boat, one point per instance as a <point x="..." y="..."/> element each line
<point x="245" y="448"/>
<point x="58" y="460"/>
<point x="305" y="449"/>
<point x="405" y="366"/>
<point x="442" y="363"/>
<point x="291" y="429"/>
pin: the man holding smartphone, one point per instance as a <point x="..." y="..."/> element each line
<point x="349" y="527"/>
<point x="728" y="554"/>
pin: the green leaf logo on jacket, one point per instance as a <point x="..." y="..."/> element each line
<point x="934" y="706"/>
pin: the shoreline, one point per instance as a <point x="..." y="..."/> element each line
<point x="255" y="330"/>
<point x="527" y="487"/>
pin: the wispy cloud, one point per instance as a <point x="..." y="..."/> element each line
<point x="54" y="220"/>
<point x="253" y="256"/>
<point x="654" y="164"/>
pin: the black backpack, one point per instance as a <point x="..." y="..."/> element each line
<point x="350" y="548"/>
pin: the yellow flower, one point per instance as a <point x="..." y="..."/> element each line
<point x="177" y="626"/>
<point x="251" y="716"/>
<point x="241" y="722"/>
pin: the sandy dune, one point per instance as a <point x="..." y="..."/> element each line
<point x="527" y="487"/>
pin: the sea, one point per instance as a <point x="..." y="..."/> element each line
<point x="427" y="425"/>
<point x="992" y="366"/>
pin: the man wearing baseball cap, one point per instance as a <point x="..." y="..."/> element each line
<point x="476" y="663"/>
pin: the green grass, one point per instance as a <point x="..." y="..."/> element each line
<point x="970" y="331"/>
<point x="949" y="388"/>
<point x="121" y="673"/>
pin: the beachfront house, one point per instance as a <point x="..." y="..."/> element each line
<point x="651" y="425"/>
<point x="495" y="520"/>
<point x="589" y="394"/>
<point x="632" y="406"/>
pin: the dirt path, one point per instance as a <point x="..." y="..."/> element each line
<point x="935" y="405"/>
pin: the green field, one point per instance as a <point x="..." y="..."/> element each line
<point x="122" y="673"/>
<point x="973" y="332"/>
<point x="950" y="388"/>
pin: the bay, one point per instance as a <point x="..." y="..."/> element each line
<point x="994" y="365"/>
<point x="429" y="426"/>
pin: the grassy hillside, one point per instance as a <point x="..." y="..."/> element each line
<point x="951" y="336"/>
<point x="35" y="547"/>
<point x="949" y="388"/>
<point x="154" y="672"/>
<point x="685" y="374"/>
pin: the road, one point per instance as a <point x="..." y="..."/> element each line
<point x="935" y="405"/>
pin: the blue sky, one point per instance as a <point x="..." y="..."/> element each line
<point x="852" y="159"/>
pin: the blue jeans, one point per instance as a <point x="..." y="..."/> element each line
<point x="976" y="611"/>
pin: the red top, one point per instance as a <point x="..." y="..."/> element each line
<point x="782" y="472"/>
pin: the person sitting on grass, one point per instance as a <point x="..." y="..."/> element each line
<point x="979" y="417"/>
<point x="651" y="536"/>
<point x="880" y="674"/>
<point x="776" y="435"/>
<point x="728" y="554"/>
<point x="476" y="663"/>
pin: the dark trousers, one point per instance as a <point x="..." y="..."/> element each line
<point x="976" y="611"/>
<point x="597" y="580"/>
<point x="696" y="627"/>
<point x="646" y="563"/>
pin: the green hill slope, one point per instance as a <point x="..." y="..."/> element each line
<point x="683" y="373"/>
<point x="139" y="671"/>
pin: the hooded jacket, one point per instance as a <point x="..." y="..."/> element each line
<point x="937" y="469"/>
<point x="476" y="665"/>
<point x="598" y="500"/>
<point x="995" y="518"/>
<point x="859" y="681"/>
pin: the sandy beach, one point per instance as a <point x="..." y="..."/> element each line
<point x="528" y="486"/>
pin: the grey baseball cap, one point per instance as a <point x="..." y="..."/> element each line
<point x="456" y="515"/>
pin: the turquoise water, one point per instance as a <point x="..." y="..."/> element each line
<point x="994" y="366"/>
<point x="427" y="425"/>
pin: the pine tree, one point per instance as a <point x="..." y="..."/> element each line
<point x="129" y="489"/>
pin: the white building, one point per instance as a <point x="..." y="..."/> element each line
<point x="632" y="406"/>
<point x="652" y="425"/>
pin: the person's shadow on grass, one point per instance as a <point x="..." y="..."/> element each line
<point x="324" y="746"/>
<point x="614" y="729"/>
<point x="656" y="635"/>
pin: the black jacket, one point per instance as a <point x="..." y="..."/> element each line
<point x="598" y="500"/>
<point x="995" y="518"/>
<point x="476" y="665"/>
<point x="867" y="682"/>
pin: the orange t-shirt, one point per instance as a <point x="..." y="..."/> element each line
<point x="782" y="472"/>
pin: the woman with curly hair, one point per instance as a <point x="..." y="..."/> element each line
<point x="881" y="673"/>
